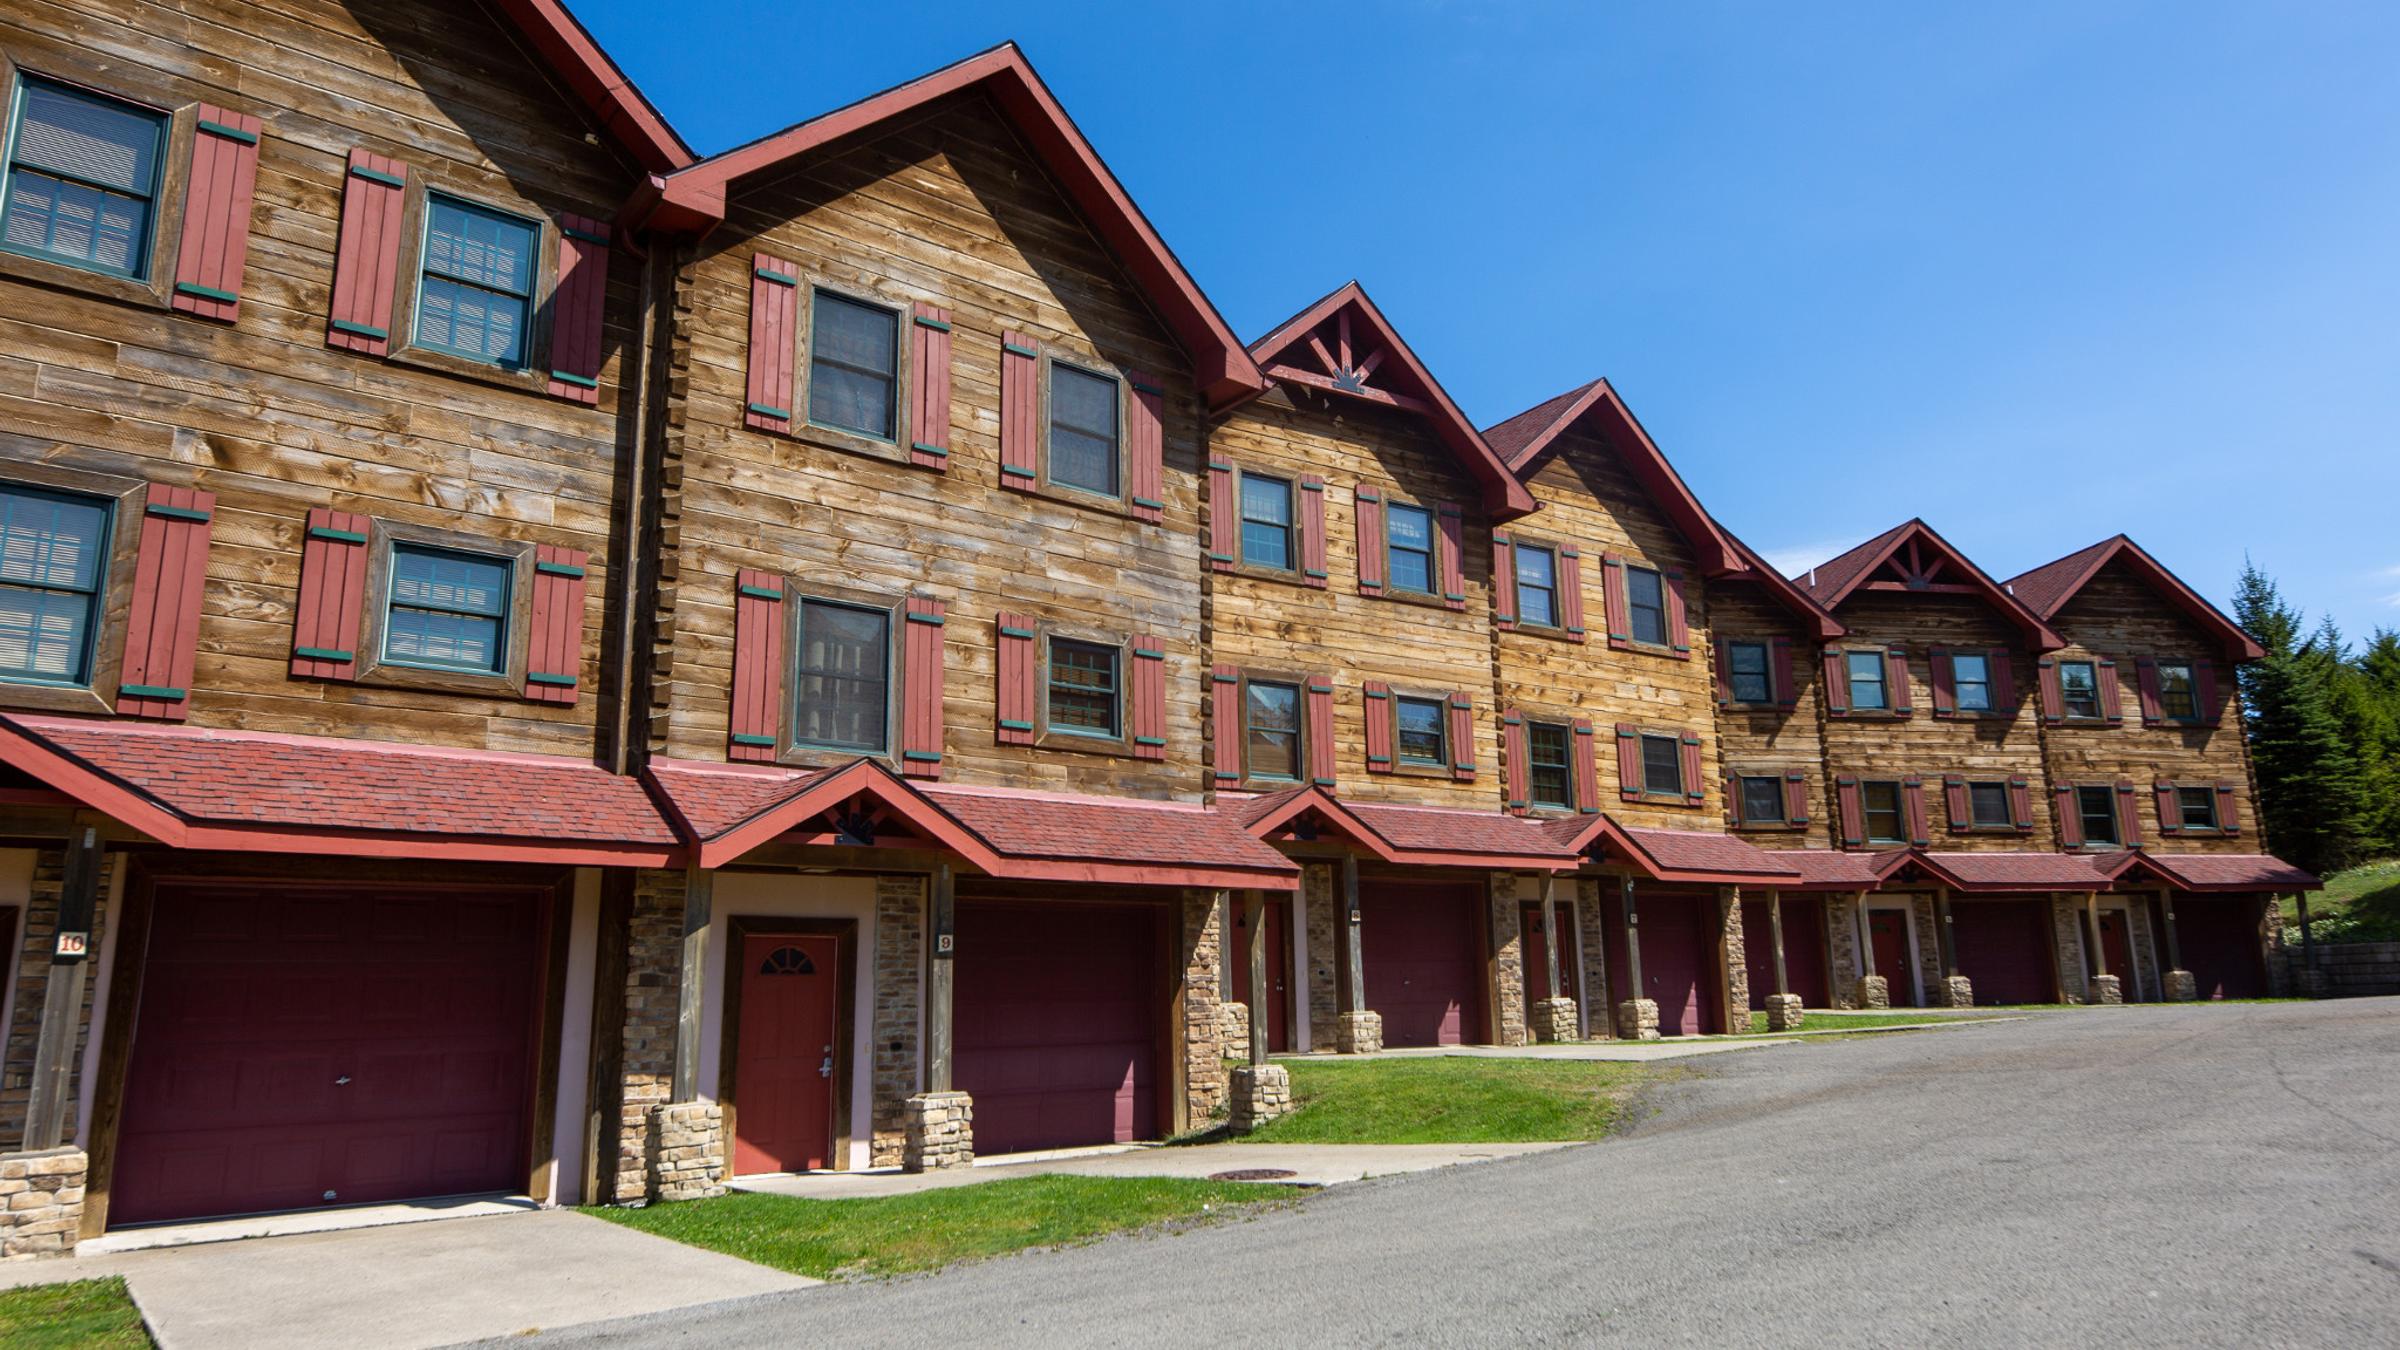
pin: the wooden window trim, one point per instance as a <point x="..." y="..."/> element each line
<point x="1867" y="837"/>
<point x="1082" y="742"/>
<point x="155" y="291"/>
<point x="1781" y="774"/>
<point x="904" y="372"/>
<point x="1973" y="826"/>
<point x="125" y="526"/>
<point x="2075" y="791"/>
<point x="426" y="179"/>
<point x="2067" y="716"/>
<point x="1242" y="566"/>
<point x="1680" y="794"/>
<point x="1665" y="646"/>
<point x="375" y="669"/>
<point x="2208" y="792"/>
<point x="1565" y="722"/>
<point x="1556" y="629"/>
<point x="1086" y="362"/>
<point x="1887" y="712"/>
<point x="2190" y="665"/>
<point x="1432" y="597"/>
<point x="1251" y="782"/>
<point x="796" y="595"/>
<point x="1404" y="767"/>
<point x="1766" y="649"/>
<point x="1959" y="709"/>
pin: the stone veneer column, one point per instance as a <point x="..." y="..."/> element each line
<point x="2066" y="924"/>
<point x="1637" y="1020"/>
<point x="41" y="1202"/>
<point x="1358" y="1033"/>
<point x="1508" y="959"/>
<point x="2182" y="987"/>
<point x="1957" y="992"/>
<point x="1203" y="951"/>
<point x="37" y="937"/>
<point x="937" y="1131"/>
<point x="899" y="1011"/>
<point x="1324" y="955"/>
<point x="1261" y="1092"/>
<point x="646" y="1066"/>
<point x="1841" y="928"/>
<point x="686" y="1151"/>
<point x="1555" y="1020"/>
<point x="1783" y="1012"/>
<point x="2104" y="989"/>
<point x="1233" y="1029"/>
<point x="1737" y="960"/>
<point x="1593" y="926"/>
<point x="1874" y="993"/>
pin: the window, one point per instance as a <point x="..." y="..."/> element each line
<point x="449" y="610"/>
<point x="1747" y="661"/>
<point x="1882" y="803"/>
<point x="1550" y="774"/>
<point x="842" y="676"/>
<point x="2197" y="806"/>
<point x="787" y="961"/>
<point x="1423" y="731"/>
<point x="1537" y="586"/>
<point x="1971" y="681"/>
<point x="1267" y="522"/>
<point x="2098" y="808"/>
<point x="1271" y="729"/>
<point x="1762" y="800"/>
<point x="475" y="298"/>
<point x="1083" y="430"/>
<point x="82" y="179"/>
<point x="2079" y="688"/>
<point x="1646" y="595"/>
<point x="1662" y="765"/>
<point x="53" y="563"/>
<point x="2178" y="692"/>
<point x="1408" y="534"/>
<point x="1867" y="693"/>
<point x="1987" y="806"/>
<point x="1083" y="688"/>
<point x="853" y="366"/>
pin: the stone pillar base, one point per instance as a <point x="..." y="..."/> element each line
<point x="1783" y="1012"/>
<point x="2181" y="987"/>
<point x="1959" y="992"/>
<point x="1233" y="1027"/>
<point x="2104" y="989"/>
<point x="1261" y="1092"/>
<point x="1637" y="1020"/>
<point x="1874" y="992"/>
<point x="1358" y="1033"/>
<point x="1555" y="1019"/>
<point x="687" y="1151"/>
<point x="937" y="1130"/>
<point x="41" y="1202"/>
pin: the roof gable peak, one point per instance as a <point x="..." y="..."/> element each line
<point x="1912" y="558"/>
<point x="2047" y="589"/>
<point x="1530" y="435"/>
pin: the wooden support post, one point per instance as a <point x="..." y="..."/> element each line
<point x="2308" y="944"/>
<point x="2091" y="935"/>
<point x="1254" y="915"/>
<point x="1633" y="939"/>
<point x="691" y="1003"/>
<point x="1866" y="933"/>
<point x="2166" y="905"/>
<point x="1783" y="983"/>
<point x="1550" y="935"/>
<point x="1941" y="928"/>
<point x="1355" y="951"/>
<point x="1222" y="902"/>
<point x="941" y="953"/>
<point x="62" y="1003"/>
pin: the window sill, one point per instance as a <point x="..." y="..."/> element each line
<point x="1754" y="709"/>
<point x="1120" y="508"/>
<point x="1648" y="798"/>
<point x="1422" y="599"/>
<point x="1109" y="747"/>
<point x="2087" y="723"/>
<point x="1547" y="632"/>
<point x="1284" y="576"/>
<point x="1870" y="715"/>
<point x="1649" y="649"/>
<point x="826" y="757"/>
<point x="67" y="698"/>
<point x="1975" y="715"/>
<point x="1771" y="827"/>
<point x="149" y="294"/>
<point x="525" y="379"/>
<point x="1409" y="769"/>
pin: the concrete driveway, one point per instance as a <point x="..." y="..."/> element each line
<point x="2138" y="1176"/>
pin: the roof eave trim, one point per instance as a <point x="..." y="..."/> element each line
<point x="1716" y="554"/>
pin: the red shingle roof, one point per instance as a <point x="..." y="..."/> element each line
<point x="713" y="798"/>
<point x="1833" y="576"/>
<point x="1512" y="437"/>
<point x="1696" y="851"/>
<point x="1120" y="830"/>
<point x="1831" y="582"/>
<point x="1434" y="829"/>
<point x="2012" y="872"/>
<point x="2050" y="585"/>
<point x="1532" y="433"/>
<point x="1824" y="870"/>
<point x="2228" y="872"/>
<point x="2047" y="589"/>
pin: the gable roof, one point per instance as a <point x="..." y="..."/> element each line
<point x="1782" y="589"/>
<point x="692" y="199"/>
<point x="1686" y="856"/>
<point x="1915" y="548"/>
<point x="595" y="80"/>
<point x="1524" y="439"/>
<point x="1346" y="366"/>
<point x="2047" y="589"/>
<point x="1415" y="836"/>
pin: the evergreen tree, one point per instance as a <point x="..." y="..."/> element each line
<point x="2312" y="781"/>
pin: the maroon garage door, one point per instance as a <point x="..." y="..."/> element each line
<point x="1056" y="1022"/>
<point x="305" y="1046"/>
<point x="1803" y="949"/>
<point x="2219" y="942"/>
<point x="2004" y="949"/>
<point x="1678" y="952"/>
<point x="1423" y="949"/>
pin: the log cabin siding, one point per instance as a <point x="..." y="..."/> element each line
<point x="261" y="412"/>
<point x="1773" y="740"/>
<point x="948" y="209"/>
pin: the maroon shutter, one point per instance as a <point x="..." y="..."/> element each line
<point x="1020" y="412"/>
<point x="1370" y="540"/>
<point x="1852" y="808"/>
<point x="2170" y="814"/>
<point x="1679" y="625"/>
<point x="1225" y="712"/>
<point x="1149" y="705"/>
<point x="1014" y="679"/>
<point x="754" y="721"/>
<point x="1146" y="447"/>
<point x="1322" y="757"/>
<point x="1612" y="601"/>
<point x="1504" y="582"/>
<point x="1453" y="529"/>
<point x="1724" y="664"/>
<point x="577" y="305"/>
<point x="1312" y="530"/>
<point x="774" y="337"/>
<point x="921" y="687"/>
<point x="2054" y="702"/>
<point x="2145" y="676"/>
<point x="1587" y="768"/>
<point x="2070" y="817"/>
<point x="2129" y="816"/>
<point x="1895" y="680"/>
<point x="1570" y="592"/>
<point x="1733" y="798"/>
<point x="2229" y="820"/>
<point x="1629" y="762"/>
<point x="216" y="214"/>
<point x="2110" y="707"/>
<point x="2004" y="681"/>
<point x="1377" y="698"/>
<point x="1795" y="797"/>
<point x="1695" y="790"/>
<point x="929" y="388"/>
<point x="1954" y="800"/>
<point x="162" y="625"/>
<point x="1224" y="518"/>
<point x="1912" y="802"/>
<point x="2204" y="692"/>
<point x="1783" y="667"/>
<point x="2020" y="803"/>
<point x="366" y="263"/>
<point x="333" y="590"/>
<point x="1945" y="682"/>
<point x="1462" y="737"/>
<point x="1837" y="683"/>
<point x="554" y="630"/>
<point x="1512" y="756"/>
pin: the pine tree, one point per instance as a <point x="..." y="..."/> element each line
<point x="2313" y="787"/>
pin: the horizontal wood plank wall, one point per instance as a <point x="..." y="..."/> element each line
<point x="951" y="210"/>
<point x="1773" y="740"/>
<point x="1982" y="748"/>
<point x="1590" y="502"/>
<point x="2119" y="618"/>
<point x="1265" y="623"/>
<point x="261" y="412"/>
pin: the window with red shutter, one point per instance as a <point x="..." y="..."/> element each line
<point x="1369" y="503"/>
<point x="1852" y="807"/>
<point x="1322" y="755"/>
<point x="2229" y="820"/>
<point x="1462" y="737"/>
<point x="1225" y="723"/>
<point x="1570" y="592"/>
<point x="2204" y="679"/>
<point x="366" y="264"/>
<point x="2054" y="701"/>
<point x="1312" y="530"/>
<point x="1145" y="447"/>
<point x="216" y="214"/>
<point x="1512" y="755"/>
<point x="1014" y="668"/>
<point x="1679" y="625"/>
<point x="2020" y="803"/>
<point x="2145" y="674"/>
<point x="1783" y="666"/>
<point x="1912" y="801"/>
<point x="1224" y="517"/>
<point x="333" y="588"/>
<point x="2129" y="815"/>
<point x="2170" y="811"/>
<point x="1504" y="582"/>
<point x="922" y="676"/>
<point x="1896" y="681"/>
<point x="1021" y="430"/>
<point x="162" y="621"/>
<point x="1587" y="769"/>
<point x="2111" y="707"/>
<point x="1795" y="798"/>
<point x="1945" y="688"/>
<point x="1149" y="710"/>
<point x="1837" y="683"/>
<point x="1954" y="800"/>
<point x="2070" y="816"/>
<point x="929" y="390"/>
<point x="1377" y="698"/>
<point x="1695" y="788"/>
<point x="1453" y="528"/>
<point x="1629" y="762"/>
<point x="774" y="338"/>
<point x="2004" y="681"/>
<point x="554" y="636"/>
<point x="1613" y="605"/>
<point x="577" y="302"/>
<point x="754" y="721"/>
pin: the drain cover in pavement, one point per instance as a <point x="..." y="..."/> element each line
<point x="1254" y="1174"/>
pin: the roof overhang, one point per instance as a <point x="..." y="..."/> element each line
<point x="1915" y="547"/>
<point x="2212" y="873"/>
<point x="1782" y="589"/>
<point x="595" y="80"/>
<point x="2057" y="583"/>
<point x="1303" y="816"/>
<point x="1603" y="839"/>
<point x="1623" y="432"/>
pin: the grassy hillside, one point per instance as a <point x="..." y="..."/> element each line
<point x="2360" y="905"/>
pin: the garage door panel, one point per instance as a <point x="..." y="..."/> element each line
<point x="1423" y="962"/>
<point x="1676" y="954"/>
<point x="2003" y="948"/>
<point x="1057" y="1024"/>
<point x="2218" y="938"/>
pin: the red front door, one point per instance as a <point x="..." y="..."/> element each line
<point x="1424" y="956"/>
<point x="2116" y="953"/>
<point x="1887" y="929"/>
<point x="1676" y="952"/>
<point x="1537" y="954"/>
<point x="1279" y="970"/>
<point x="783" y="1062"/>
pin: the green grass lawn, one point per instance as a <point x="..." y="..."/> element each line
<point x="2360" y="905"/>
<point x="1453" y="1100"/>
<point x="900" y="1234"/>
<point x="1849" y="1021"/>
<point x="84" y="1314"/>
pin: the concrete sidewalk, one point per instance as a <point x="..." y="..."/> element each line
<point x="1308" y="1164"/>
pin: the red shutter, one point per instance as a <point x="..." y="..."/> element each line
<point x="1587" y="769"/>
<point x="1462" y="737"/>
<point x="216" y="214"/>
<point x="1679" y="625"/>
<point x="1146" y="447"/>
<point x="754" y="721"/>
<point x="929" y="392"/>
<point x="1724" y="663"/>
<point x="1312" y="530"/>
<point x="1014" y="680"/>
<point x="1954" y="799"/>
<point x="577" y="305"/>
<point x="1783" y="667"/>
<point x="554" y="636"/>
<point x="2020" y="803"/>
<point x="2054" y="703"/>
<point x="333" y="590"/>
<point x="366" y="261"/>
<point x="1795" y="797"/>
<point x="2004" y="681"/>
<point x="1224" y="518"/>
<point x="1837" y="683"/>
<point x="1512" y="756"/>
<point x="1912" y="802"/>
<point x="1612" y="601"/>
<point x="2145" y="675"/>
<point x="1377" y="698"/>
<point x="1149" y="698"/>
<point x="1570" y="592"/>
<point x="2070" y="817"/>
<point x="1504" y="582"/>
<point x="1945" y="682"/>
<point x="2204" y="690"/>
<point x="1733" y="799"/>
<point x="1895" y="680"/>
<point x="162" y="626"/>
<point x="1322" y="756"/>
<point x="1453" y="529"/>
<point x="2129" y="816"/>
<point x="1370" y="540"/>
<point x="1695" y="790"/>
<point x="1020" y="412"/>
<point x="2229" y="818"/>
<point x="2170" y="814"/>
<point x="1225" y="713"/>
<point x="1629" y="762"/>
<point x="921" y="687"/>
<point x="1852" y="808"/>
<point x="2110" y="706"/>
<point x="774" y="337"/>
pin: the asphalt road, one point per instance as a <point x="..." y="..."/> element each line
<point x="2144" y="1176"/>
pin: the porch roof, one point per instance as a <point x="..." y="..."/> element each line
<point x="1416" y="836"/>
<point x="2213" y="872"/>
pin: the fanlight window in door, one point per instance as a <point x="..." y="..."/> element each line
<point x="787" y="961"/>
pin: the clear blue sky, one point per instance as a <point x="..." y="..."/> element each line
<point x="2038" y="272"/>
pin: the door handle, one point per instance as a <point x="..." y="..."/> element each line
<point x="343" y="1081"/>
<point x="825" y="1070"/>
